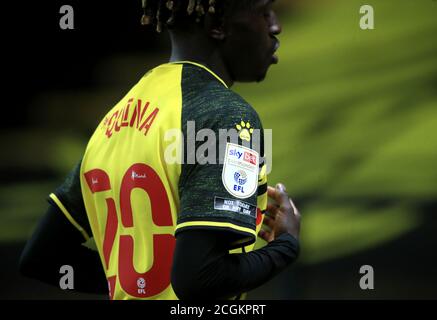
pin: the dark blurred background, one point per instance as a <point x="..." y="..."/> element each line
<point x="353" y="113"/>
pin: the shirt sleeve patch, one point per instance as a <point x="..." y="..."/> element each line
<point x="234" y="205"/>
<point x="240" y="171"/>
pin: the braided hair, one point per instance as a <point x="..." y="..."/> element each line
<point x="166" y="13"/>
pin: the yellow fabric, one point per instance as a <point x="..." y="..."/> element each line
<point x="124" y="138"/>
<point x="215" y="224"/>
<point x="129" y="145"/>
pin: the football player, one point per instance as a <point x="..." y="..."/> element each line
<point x="177" y="229"/>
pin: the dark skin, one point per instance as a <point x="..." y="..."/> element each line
<point x="241" y="48"/>
<point x="283" y="216"/>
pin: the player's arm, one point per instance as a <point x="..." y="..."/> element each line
<point x="218" y="211"/>
<point x="58" y="240"/>
<point x="204" y="269"/>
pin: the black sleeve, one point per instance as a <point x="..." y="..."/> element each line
<point x="69" y="195"/>
<point x="220" y="193"/>
<point x="204" y="269"/>
<point x="56" y="242"/>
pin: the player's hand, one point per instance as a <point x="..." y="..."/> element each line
<point x="283" y="216"/>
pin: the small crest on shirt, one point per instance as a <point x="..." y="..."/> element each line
<point x="245" y="130"/>
<point x="240" y="171"/>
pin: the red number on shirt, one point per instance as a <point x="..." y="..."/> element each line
<point x="157" y="278"/>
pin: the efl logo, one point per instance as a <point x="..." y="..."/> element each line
<point x="250" y="157"/>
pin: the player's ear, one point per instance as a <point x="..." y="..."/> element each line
<point x="217" y="34"/>
<point x="215" y="28"/>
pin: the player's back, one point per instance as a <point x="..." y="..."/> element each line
<point x="139" y="188"/>
<point x="131" y="192"/>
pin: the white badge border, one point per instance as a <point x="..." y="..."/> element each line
<point x="231" y="192"/>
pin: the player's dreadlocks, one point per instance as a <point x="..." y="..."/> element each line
<point x="162" y="13"/>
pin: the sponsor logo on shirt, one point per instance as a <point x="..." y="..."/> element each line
<point x="240" y="171"/>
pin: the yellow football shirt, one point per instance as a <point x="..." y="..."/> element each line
<point x="133" y="191"/>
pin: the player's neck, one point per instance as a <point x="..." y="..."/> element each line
<point x="191" y="48"/>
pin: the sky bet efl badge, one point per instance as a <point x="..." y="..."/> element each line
<point x="240" y="171"/>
